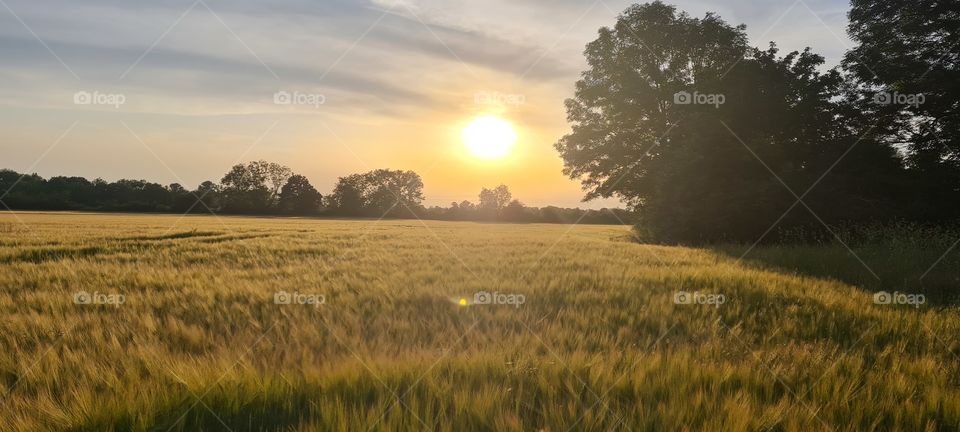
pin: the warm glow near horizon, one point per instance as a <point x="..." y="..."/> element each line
<point x="469" y="95"/>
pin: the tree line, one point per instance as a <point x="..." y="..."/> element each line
<point x="267" y="188"/>
<point x="709" y="139"/>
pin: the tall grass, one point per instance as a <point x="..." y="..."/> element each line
<point x="901" y="257"/>
<point x="599" y="344"/>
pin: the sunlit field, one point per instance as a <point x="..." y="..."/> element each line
<point x="144" y="323"/>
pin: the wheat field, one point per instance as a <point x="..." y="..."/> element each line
<point x="201" y="323"/>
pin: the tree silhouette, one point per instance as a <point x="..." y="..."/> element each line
<point x="298" y="196"/>
<point x="515" y="212"/>
<point x="244" y="189"/>
<point x="685" y="122"/>
<point x="356" y="195"/>
<point x="907" y="69"/>
<point x="378" y="193"/>
<point x="492" y="201"/>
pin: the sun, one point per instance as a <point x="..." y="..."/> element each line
<point x="489" y="137"/>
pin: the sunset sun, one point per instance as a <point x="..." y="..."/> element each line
<point x="489" y="137"/>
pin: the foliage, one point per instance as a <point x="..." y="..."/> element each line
<point x="515" y="211"/>
<point x="298" y="196"/>
<point x="712" y="140"/>
<point x="253" y="187"/>
<point x="495" y="199"/>
<point x="246" y="190"/>
<point x="32" y="192"/>
<point x="378" y="193"/>
<point x="906" y="72"/>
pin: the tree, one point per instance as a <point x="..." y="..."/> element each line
<point x="494" y="200"/>
<point x="180" y="198"/>
<point x="244" y="189"/>
<point x="378" y="193"/>
<point x="298" y="196"/>
<point x="347" y="197"/>
<point x="397" y="193"/>
<point x="207" y="197"/>
<point x="465" y="210"/>
<point x="907" y="69"/>
<point x="26" y="191"/>
<point x="75" y="192"/>
<point x="276" y="176"/>
<point x="137" y="195"/>
<point x="681" y="119"/>
<point x="515" y="212"/>
<point x="552" y="214"/>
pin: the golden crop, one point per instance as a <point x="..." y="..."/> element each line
<point x="198" y="342"/>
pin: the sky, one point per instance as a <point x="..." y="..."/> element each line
<point x="181" y="90"/>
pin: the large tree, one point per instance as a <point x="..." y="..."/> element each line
<point x="378" y="193"/>
<point x="347" y="198"/>
<point x="298" y="196"/>
<point x="681" y="119"/>
<point x="207" y="197"/>
<point x="276" y="175"/>
<point x="244" y="189"/>
<point x="253" y="187"/>
<point x="907" y="66"/>
<point x="495" y="199"/>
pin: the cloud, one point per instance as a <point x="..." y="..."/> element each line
<point x="225" y="60"/>
<point x="307" y="44"/>
<point x="411" y="77"/>
<point x="474" y="48"/>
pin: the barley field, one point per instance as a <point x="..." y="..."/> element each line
<point x="201" y="323"/>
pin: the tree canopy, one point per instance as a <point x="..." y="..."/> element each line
<point x="366" y="194"/>
<point x="378" y="193"/>
<point x="906" y="72"/>
<point x="710" y="139"/>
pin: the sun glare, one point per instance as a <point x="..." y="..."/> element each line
<point x="489" y="137"/>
